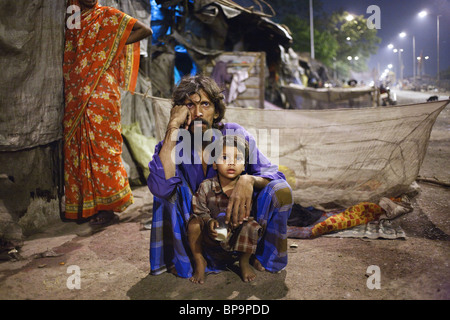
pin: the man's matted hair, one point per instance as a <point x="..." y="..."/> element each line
<point x="189" y="85"/>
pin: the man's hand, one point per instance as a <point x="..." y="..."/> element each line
<point x="180" y="116"/>
<point x="240" y="203"/>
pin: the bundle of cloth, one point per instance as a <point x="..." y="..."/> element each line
<point x="305" y="223"/>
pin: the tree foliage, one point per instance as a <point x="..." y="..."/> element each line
<point x="355" y="40"/>
<point x="325" y="47"/>
<point x="335" y="38"/>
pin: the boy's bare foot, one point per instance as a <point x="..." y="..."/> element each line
<point x="199" y="271"/>
<point x="256" y="264"/>
<point x="246" y="270"/>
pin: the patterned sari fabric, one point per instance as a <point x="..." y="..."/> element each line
<point x="97" y="62"/>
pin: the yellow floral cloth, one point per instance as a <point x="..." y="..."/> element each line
<point x="361" y="213"/>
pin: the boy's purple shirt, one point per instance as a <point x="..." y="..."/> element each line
<point x="193" y="172"/>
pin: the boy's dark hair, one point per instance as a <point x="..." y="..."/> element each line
<point x="189" y="85"/>
<point x="240" y="143"/>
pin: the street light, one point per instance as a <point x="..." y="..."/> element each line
<point x="420" y="67"/>
<point x="311" y="27"/>
<point x="423" y="14"/>
<point x="421" y="63"/>
<point x="400" y="64"/>
<point x="438" y="76"/>
<point x="403" y="35"/>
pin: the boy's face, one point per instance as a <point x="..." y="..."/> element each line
<point x="231" y="163"/>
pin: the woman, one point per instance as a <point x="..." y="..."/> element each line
<point x="100" y="57"/>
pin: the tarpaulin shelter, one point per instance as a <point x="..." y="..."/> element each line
<point x="32" y="106"/>
<point x="31" y="110"/>
<point x="190" y="35"/>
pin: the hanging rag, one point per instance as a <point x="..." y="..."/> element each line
<point x="237" y="85"/>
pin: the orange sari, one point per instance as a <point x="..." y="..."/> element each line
<point x="97" y="62"/>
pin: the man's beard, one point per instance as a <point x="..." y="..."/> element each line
<point x="200" y="133"/>
<point x="203" y="122"/>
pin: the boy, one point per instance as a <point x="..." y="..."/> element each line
<point x="209" y="202"/>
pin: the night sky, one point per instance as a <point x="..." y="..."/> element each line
<point x="402" y="16"/>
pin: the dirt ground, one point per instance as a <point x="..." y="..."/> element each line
<point x="113" y="264"/>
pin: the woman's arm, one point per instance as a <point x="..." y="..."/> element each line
<point x="140" y="31"/>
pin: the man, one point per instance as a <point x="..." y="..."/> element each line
<point x="97" y="62"/>
<point x="180" y="165"/>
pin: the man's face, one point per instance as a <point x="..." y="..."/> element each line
<point x="88" y="4"/>
<point x="202" y="109"/>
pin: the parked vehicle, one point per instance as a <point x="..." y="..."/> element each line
<point x="387" y="97"/>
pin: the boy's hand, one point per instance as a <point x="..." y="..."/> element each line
<point x="212" y="225"/>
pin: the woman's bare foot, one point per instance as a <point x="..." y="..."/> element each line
<point x="246" y="270"/>
<point x="103" y="218"/>
<point x="199" y="271"/>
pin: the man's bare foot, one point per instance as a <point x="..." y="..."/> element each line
<point x="172" y="270"/>
<point x="246" y="270"/>
<point x="199" y="271"/>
